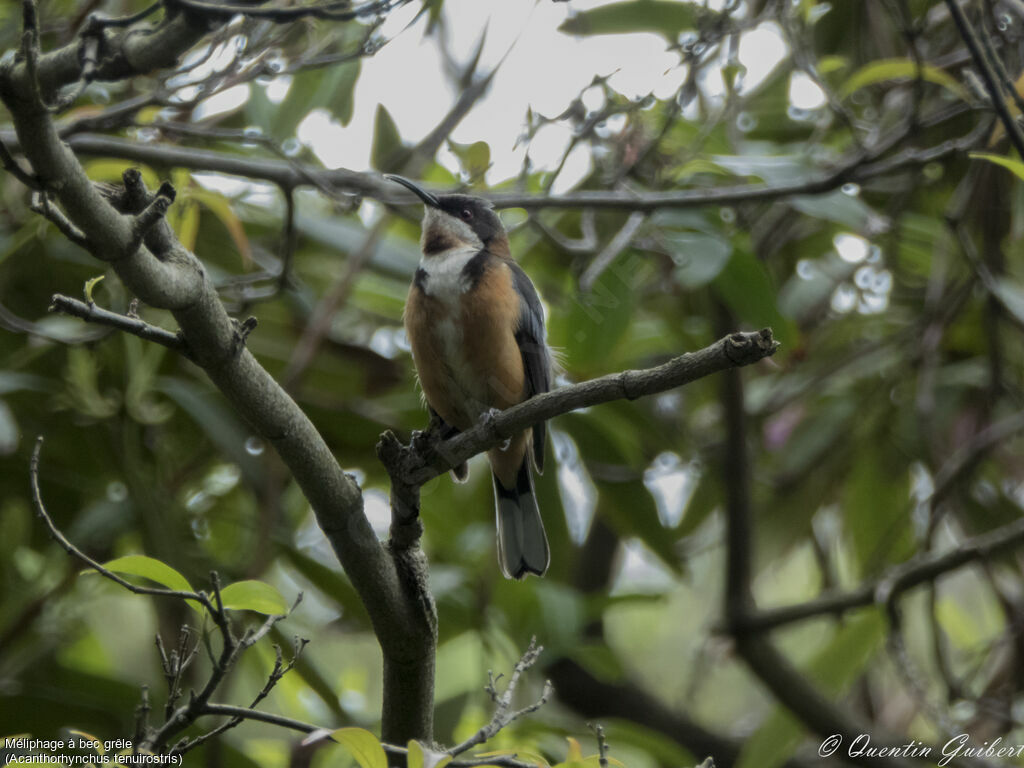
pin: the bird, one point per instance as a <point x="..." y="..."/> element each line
<point x="475" y="325"/>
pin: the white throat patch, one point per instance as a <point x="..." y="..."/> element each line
<point x="444" y="274"/>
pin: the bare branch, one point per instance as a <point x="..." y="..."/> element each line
<point x="280" y="670"/>
<point x="410" y="468"/>
<point x="11" y="166"/>
<point x="133" y="325"/>
<point x="244" y="713"/>
<point x="587" y="245"/>
<point x="856" y="168"/>
<point x="90" y="46"/>
<point x="71" y="549"/>
<point x="787" y="684"/>
<point x="503" y="713"/>
<point x="615" y="246"/>
<point x="142" y="716"/>
<point x="988" y="75"/>
<point x="98" y="21"/>
<point x="602" y="744"/>
<point x="899" y="579"/>
<point x="340" y="10"/>
<point x="41" y="204"/>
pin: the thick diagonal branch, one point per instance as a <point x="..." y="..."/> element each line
<point x="165" y="275"/>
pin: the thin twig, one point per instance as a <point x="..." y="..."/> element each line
<point x="616" y="245"/>
<point x="503" y="714"/>
<point x="988" y="76"/>
<point x="89" y="56"/>
<point x="11" y="166"/>
<point x="897" y="580"/>
<point x="71" y="549"/>
<point x="280" y="670"/>
<point x="41" y="204"/>
<point x="602" y="744"/>
<point x="133" y="325"/>
<point x="98" y="21"/>
<point x="288" y="239"/>
<point x="320" y="321"/>
<point x="856" y="168"/>
<point x="341" y="10"/>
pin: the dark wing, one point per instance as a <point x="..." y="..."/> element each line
<point x="532" y="341"/>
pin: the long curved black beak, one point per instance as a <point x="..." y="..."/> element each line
<point x="422" y="194"/>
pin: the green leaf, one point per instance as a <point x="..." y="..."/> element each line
<point x="9" y="434"/>
<point x="388" y="153"/>
<point x="91" y="283"/>
<point x="575" y="754"/>
<point x="221" y="425"/>
<point x="834" y="668"/>
<point x="1011" y="295"/>
<point x="701" y="165"/>
<point x="849" y="210"/>
<point x="330" y="581"/>
<point x="364" y="746"/>
<point x="700" y="257"/>
<point x="415" y="757"/>
<point x="627" y="505"/>
<point x="475" y="157"/>
<point x="424" y="757"/>
<point x="875" y="510"/>
<point x="1014" y="166"/>
<point x="899" y="69"/>
<point x="460" y="665"/>
<point x="82" y="390"/>
<point x="149" y="568"/>
<point x="112" y="170"/>
<point x="745" y="286"/>
<point x="829" y="64"/>
<point x="219" y="206"/>
<point x="598" y="318"/>
<point x="661" y="17"/>
<point x="252" y="595"/>
<point x="186" y="223"/>
<point x="330" y="88"/>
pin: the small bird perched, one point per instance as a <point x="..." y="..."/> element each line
<point x="476" y="328"/>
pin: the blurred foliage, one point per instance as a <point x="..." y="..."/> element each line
<point x="894" y="357"/>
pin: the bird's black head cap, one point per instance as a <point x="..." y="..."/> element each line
<point x="476" y="212"/>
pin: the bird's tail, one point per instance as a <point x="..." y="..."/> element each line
<point x="522" y="543"/>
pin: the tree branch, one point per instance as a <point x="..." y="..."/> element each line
<point x="988" y="76"/>
<point x="129" y="51"/>
<point x="339" y="10"/>
<point x="592" y="698"/>
<point x="172" y="278"/>
<point x="411" y="466"/>
<point x="616" y="245"/>
<point x="71" y="549"/>
<point x="503" y="714"/>
<point x="133" y="325"/>
<point x="786" y="683"/>
<point x="288" y="175"/>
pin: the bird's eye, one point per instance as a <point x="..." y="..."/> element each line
<point x="467" y="215"/>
